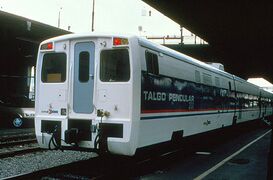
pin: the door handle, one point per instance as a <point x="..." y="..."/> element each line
<point x="91" y="76"/>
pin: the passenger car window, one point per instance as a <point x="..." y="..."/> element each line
<point x="207" y="79"/>
<point x="197" y="76"/>
<point x="152" y="63"/>
<point x="54" y="68"/>
<point x="114" y="65"/>
<point x="217" y="81"/>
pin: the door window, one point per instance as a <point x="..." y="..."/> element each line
<point x="84" y="66"/>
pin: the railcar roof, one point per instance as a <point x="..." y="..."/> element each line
<point x="180" y="56"/>
<point x="86" y="35"/>
<point x="188" y="59"/>
<point x="146" y="43"/>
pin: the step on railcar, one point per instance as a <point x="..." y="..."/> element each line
<point x="117" y="93"/>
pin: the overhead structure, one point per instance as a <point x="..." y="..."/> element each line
<point x="240" y="32"/>
<point x="20" y="38"/>
<point x="20" y="28"/>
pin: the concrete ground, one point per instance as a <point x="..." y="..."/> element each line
<point x="242" y="157"/>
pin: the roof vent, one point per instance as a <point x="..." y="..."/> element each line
<point x="216" y="65"/>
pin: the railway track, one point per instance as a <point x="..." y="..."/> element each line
<point x="114" y="167"/>
<point x="17" y="142"/>
<point x="117" y="167"/>
<point x="13" y="145"/>
<point x="19" y="152"/>
<point x="15" y="134"/>
<point x="67" y="171"/>
<point x="14" y="139"/>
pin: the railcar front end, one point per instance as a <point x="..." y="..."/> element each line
<point x="84" y="94"/>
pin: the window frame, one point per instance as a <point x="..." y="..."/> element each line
<point x="80" y="75"/>
<point x="197" y="76"/>
<point x="129" y="62"/>
<point x="154" y="63"/>
<point x="207" y="79"/>
<point x="42" y="68"/>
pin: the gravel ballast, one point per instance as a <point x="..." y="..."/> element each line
<point x="40" y="160"/>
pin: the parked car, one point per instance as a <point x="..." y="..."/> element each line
<point x="16" y="111"/>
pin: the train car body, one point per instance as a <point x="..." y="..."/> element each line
<point x="120" y="93"/>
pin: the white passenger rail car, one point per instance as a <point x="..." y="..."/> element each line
<point x="117" y="93"/>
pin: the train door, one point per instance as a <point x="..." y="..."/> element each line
<point x="239" y="105"/>
<point x="83" y="86"/>
<point x="260" y="105"/>
<point x="263" y="107"/>
<point x="235" y="103"/>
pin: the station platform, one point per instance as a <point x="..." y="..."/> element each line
<point x="250" y="163"/>
<point x="244" y="157"/>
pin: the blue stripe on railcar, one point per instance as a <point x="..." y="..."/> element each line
<point x="168" y="94"/>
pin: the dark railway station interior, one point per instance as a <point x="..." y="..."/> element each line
<point x="239" y="33"/>
<point x="20" y="38"/>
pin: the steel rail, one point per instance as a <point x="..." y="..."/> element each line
<point x="17" y="142"/>
<point x="20" y="152"/>
<point x="17" y="137"/>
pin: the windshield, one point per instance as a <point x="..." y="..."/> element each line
<point x="54" y="68"/>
